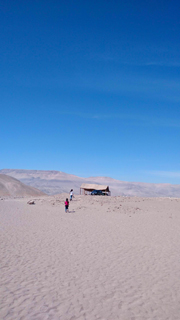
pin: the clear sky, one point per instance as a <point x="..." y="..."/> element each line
<point x="91" y="88"/>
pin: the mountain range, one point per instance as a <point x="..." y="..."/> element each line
<point x="54" y="182"/>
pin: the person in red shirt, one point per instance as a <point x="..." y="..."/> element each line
<point x="66" y="205"/>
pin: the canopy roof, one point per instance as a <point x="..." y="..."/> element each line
<point x="88" y="186"/>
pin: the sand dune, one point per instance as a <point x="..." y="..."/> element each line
<point x="110" y="258"/>
<point x="54" y="182"/>
<point x="12" y="187"/>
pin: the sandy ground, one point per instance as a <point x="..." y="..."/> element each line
<point x="109" y="258"/>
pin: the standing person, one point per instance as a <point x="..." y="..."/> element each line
<point x="66" y="205"/>
<point x="71" y="194"/>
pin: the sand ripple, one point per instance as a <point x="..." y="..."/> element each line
<point x="108" y="259"/>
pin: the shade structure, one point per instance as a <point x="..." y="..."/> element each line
<point x="87" y="188"/>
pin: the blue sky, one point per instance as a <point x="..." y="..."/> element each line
<point x="91" y="88"/>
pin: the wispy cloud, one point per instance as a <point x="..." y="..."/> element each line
<point x="175" y="64"/>
<point x="141" y="56"/>
<point x="150" y="86"/>
<point x="147" y="87"/>
<point x="171" y="123"/>
<point x="129" y="119"/>
<point x="166" y="174"/>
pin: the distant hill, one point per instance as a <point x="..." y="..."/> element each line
<point x="50" y="182"/>
<point x="54" y="182"/>
<point x="139" y="189"/>
<point x="11" y="187"/>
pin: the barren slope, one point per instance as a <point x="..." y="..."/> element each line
<point x="11" y="187"/>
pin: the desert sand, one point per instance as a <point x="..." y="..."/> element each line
<point x="108" y="258"/>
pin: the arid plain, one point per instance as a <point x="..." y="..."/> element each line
<point x="108" y="258"/>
